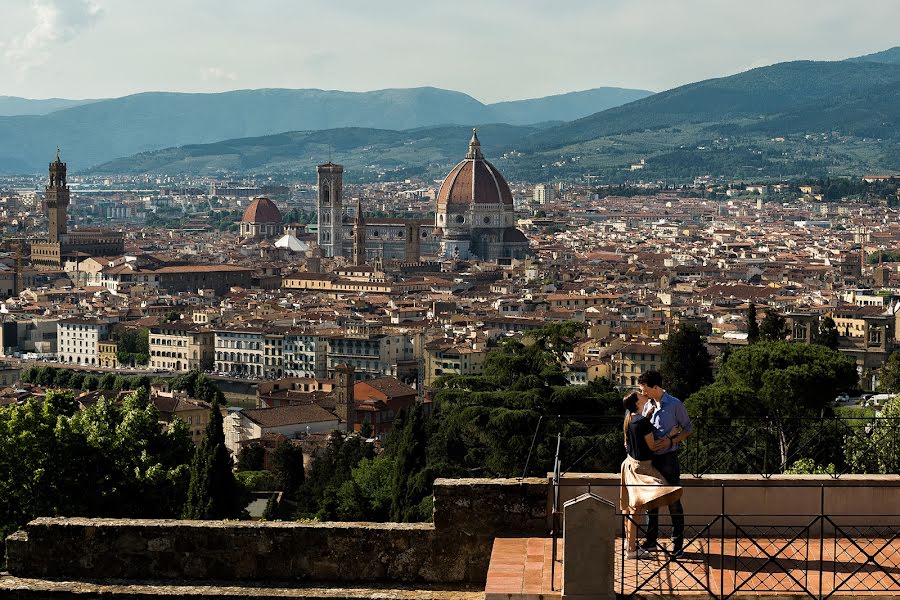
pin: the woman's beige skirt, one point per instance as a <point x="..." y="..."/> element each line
<point x="644" y="488"/>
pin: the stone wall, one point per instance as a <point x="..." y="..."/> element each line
<point x="456" y="548"/>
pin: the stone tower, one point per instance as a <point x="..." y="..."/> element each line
<point x="57" y="196"/>
<point x="345" y="406"/>
<point x="359" y="236"/>
<point x="330" y="209"/>
<point x="413" y="241"/>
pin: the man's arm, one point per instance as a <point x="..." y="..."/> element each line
<point x="684" y="426"/>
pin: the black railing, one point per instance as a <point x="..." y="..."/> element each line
<point x="818" y="554"/>
<point x="760" y="446"/>
<point x="756" y="446"/>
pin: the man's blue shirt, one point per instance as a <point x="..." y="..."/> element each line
<point x="670" y="411"/>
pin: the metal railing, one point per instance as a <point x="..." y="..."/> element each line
<point x="818" y="554"/>
<point x="755" y="446"/>
<point x="761" y="446"/>
<point x="814" y="555"/>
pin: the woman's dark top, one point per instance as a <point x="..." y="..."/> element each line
<point x="637" y="445"/>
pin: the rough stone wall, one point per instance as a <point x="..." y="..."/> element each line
<point x="456" y="548"/>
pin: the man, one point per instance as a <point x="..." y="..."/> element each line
<point x="669" y="419"/>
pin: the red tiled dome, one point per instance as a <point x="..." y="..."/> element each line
<point x="262" y="210"/>
<point x="474" y="180"/>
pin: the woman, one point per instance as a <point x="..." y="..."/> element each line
<point x="643" y="487"/>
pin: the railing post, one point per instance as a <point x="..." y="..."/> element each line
<point x="722" y="545"/>
<point x="821" y="538"/>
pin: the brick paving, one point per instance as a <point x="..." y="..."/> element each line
<point x="520" y="569"/>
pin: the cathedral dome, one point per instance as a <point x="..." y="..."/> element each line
<point x="474" y="181"/>
<point x="262" y="210"/>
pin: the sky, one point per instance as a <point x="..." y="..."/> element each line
<point x="491" y="49"/>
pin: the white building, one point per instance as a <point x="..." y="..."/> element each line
<point x="77" y="340"/>
<point x="292" y="421"/>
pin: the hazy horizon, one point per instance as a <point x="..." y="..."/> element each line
<point x="501" y="51"/>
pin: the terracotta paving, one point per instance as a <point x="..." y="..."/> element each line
<point x="520" y="569"/>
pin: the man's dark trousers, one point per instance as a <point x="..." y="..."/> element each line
<point x="668" y="467"/>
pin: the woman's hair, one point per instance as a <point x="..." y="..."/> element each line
<point x="630" y="402"/>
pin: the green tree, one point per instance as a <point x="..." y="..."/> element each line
<point x="873" y="446"/>
<point x="287" y="465"/>
<point x="172" y="315"/>
<point x="213" y="492"/>
<point x="826" y="333"/>
<point x="107" y="382"/>
<point x="270" y="513"/>
<point x="251" y="457"/>
<point x="62" y="377"/>
<point x="685" y="364"/>
<point x="781" y="382"/>
<point x="110" y="460"/>
<point x="334" y="466"/>
<point x="409" y="458"/>
<point x="773" y="326"/>
<point x="198" y="386"/>
<point x="889" y="378"/>
<point x="90" y="383"/>
<point x="752" y="325"/>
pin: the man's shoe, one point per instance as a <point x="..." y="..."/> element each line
<point x="638" y="553"/>
<point x="677" y="551"/>
<point x="649" y="545"/>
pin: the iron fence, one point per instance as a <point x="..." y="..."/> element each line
<point x="818" y="554"/>
<point x="759" y="446"/>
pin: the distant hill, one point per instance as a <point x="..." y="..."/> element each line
<point x="11" y="106"/>
<point x="890" y="56"/>
<point x="100" y="131"/>
<point x="368" y="154"/>
<point x="796" y="119"/>
<point x="563" y="107"/>
<point x="795" y="89"/>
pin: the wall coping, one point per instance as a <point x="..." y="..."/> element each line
<point x="736" y="480"/>
<point x="224" y="524"/>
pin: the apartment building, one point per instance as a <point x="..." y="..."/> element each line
<point x="181" y="347"/>
<point x="77" y="340"/>
<point x="448" y="357"/>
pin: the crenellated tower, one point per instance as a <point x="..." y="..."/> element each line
<point x="57" y="198"/>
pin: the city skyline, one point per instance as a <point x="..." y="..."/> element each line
<point x="505" y="51"/>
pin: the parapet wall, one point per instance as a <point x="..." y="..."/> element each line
<point x="456" y="548"/>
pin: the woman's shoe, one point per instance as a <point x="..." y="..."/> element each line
<point x="640" y="553"/>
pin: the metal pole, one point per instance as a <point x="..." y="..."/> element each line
<point x="821" y="538"/>
<point x="531" y="449"/>
<point x="555" y="512"/>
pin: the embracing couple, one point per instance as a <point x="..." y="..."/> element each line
<point x="655" y="423"/>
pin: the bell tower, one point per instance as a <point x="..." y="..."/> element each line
<point x="57" y="197"/>
<point x="359" y="236"/>
<point x="330" y="209"/>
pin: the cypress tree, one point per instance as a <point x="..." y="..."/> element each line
<point x="213" y="492"/>
<point x="287" y="464"/>
<point x="752" y="325"/>
<point x="409" y="460"/>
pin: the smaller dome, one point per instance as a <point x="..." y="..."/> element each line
<point x="262" y="210"/>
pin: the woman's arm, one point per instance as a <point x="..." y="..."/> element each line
<point x="657" y="444"/>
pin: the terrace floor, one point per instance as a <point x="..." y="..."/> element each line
<point x="520" y="569"/>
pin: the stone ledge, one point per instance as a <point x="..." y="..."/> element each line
<point x="18" y="588"/>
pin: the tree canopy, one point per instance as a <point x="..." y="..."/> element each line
<point x="110" y="460"/>
<point x="685" y="365"/>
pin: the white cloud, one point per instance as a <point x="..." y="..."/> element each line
<point x="218" y="74"/>
<point x="55" y="22"/>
